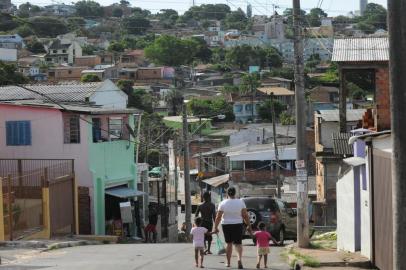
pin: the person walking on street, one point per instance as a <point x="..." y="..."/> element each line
<point x="262" y="238"/>
<point x="207" y="210"/>
<point x="232" y="213"/>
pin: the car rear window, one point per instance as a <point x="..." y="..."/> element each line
<point x="261" y="204"/>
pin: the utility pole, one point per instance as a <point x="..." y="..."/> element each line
<point x="278" y="169"/>
<point x="186" y="171"/>
<point x="200" y="159"/>
<point x="301" y="155"/>
<point x="397" y="51"/>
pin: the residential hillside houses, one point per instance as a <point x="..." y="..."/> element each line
<point x="14" y="41"/>
<point x="59" y="52"/>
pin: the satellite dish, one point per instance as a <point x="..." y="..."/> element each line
<point x="130" y="130"/>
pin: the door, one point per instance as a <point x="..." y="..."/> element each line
<point x="382" y="210"/>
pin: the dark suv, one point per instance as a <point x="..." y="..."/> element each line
<point x="279" y="218"/>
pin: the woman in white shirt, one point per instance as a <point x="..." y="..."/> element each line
<point x="232" y="213"/>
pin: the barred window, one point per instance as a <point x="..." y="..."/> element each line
<point x="71" y="126"/>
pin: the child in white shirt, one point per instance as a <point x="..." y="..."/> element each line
<point x="198" y="234"/>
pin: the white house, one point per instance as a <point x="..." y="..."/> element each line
<point x="63" y="53"/>
<point x="105" y="93"/>
<point x="8" y="55"/>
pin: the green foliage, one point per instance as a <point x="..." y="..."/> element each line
<point x="218" y="55"/>
<point x="236" y="20"/>
<point x="90" y="78"/>
<point x="144" y="13"/>
<point x="313" y="61"/>
<point x="35" y="46"/>
<point x="172" y="51"/>
<point x="88" y="8"/>
<point x="125" y="85"/>
<point x="75" y="23"/>
<point x="287" y="119"/>
<point x="27" y="9"/>
<point x="141" y="99"/>
<point x="10" y="76"/>
<point x="88" y="49"/>
<point x="244" y="56"/>
<point x="373" y="19"/>
<point x="221" y="67"/>
<point x="314" y="17"/>
<point x="203" y="52"/>
<point x="207" y="12"/>
<point x="174" y="100"/>
<point x="136" y="24"/>
<point x="230" y="89"/>
<point x="24" y="30"/>
<point x="167" y="17"/>
<point x="249" y="84"/>
<point x="211" y="108"/>
<point x="116" y="47"/>
<point x="117" y="12"/>
<point x="7" y="22"/>
<point x="48" y="26"/>
<point x="265" y="110"/>
<point x="285" y="72"/>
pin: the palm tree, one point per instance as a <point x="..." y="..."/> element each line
<point x="249" y="85"/>
<point x="174" y="99"/>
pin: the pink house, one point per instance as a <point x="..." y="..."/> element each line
<point x="97" y="138"/>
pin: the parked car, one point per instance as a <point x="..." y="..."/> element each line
<point x="155" y="172"/>
<point x="279" y="218"/>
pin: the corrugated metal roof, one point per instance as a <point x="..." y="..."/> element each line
<point x="340" y="144"/>
<point x="277" y="91"/>
<point x="218" y="180"/>
<point x="334" y="115"/>
<point x="361" y="50"/>
<point x="77" y="92"/>
<point x="86" y="109"/>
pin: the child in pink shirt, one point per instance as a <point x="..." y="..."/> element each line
<point x="199" y="234"/>
<point x="263" y="237"/>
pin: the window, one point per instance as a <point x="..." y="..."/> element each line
<point x="237" y="165"/>
<point x="55" y="51"/>
<point x="71" y="126"/>
<point x="96" y="126"/>
<point x="18" y="133"/>
<point x="248" y="107"/>
<point x="65" y="59"/>
<point x="115" y="128"/>
<point x="209" y="164"/>
<point x="70" y="71"/>
<point x="64" y="51"/>
<point x="238" y="108"/>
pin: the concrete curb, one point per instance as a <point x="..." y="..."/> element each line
<point x="47" y="246"/>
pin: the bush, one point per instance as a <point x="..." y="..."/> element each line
<point x="287" y="119"/>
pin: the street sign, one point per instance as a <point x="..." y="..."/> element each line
<point x="300" y="164"/>
<point x="301" y="175"/>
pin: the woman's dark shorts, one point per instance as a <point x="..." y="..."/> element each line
<point x="233" y="233"/>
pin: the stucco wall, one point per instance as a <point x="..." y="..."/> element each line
<point x="47" y="139"/>
<point x="108" y="95"/>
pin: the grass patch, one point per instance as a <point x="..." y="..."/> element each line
<point x="330" y="236"/>
<point x="307" y="260"/>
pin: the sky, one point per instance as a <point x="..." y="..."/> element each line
<point x="260" y="7"/>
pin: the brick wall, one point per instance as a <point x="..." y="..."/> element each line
<point x="382" y="113"/>
<point x="258" y="176"/>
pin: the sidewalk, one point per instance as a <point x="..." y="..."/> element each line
<point x="312" y="258"/>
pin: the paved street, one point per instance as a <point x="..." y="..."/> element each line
<point x="134" y="257"/>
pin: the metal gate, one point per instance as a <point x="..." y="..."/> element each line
<point x="382" y="210"/>
<point x="62" y="205"/>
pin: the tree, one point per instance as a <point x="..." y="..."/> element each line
<point x="167" y="17"/>
<point x="313" y="61"/>
<point x="270" y="56"/>
<point x="124" y="3"/>
<point x="24" y="30"/>
<point x="35" y="46"/>
<point x="211" y="108"/>
<point x="136" y="25"/>
<point x="116" y="46"/>
<point x="171" y="51"/>
<point x="373" y="19"/>
<point x="7" y="22"/>
<point x="9" y="75"/>
<point x="75" y="23"/>
<point x="117" y="12"/>
<point x="207" y="12"/>
<point x="265" y="109"/>
<point x="203" y="51"/>
<point x="27" y="9"/>
<point x="144" y="13"/>
<point x="90" y="78"/>
<point x="174" y="100"/>
<point x="48" y="26"/>
<point x="88" y="8"/>
<point x="314" y="17"/>
<point x="236" y="20"/>
<point x="88" y="49"/>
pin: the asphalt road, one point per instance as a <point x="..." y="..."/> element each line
<point x="135" y="257"/>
